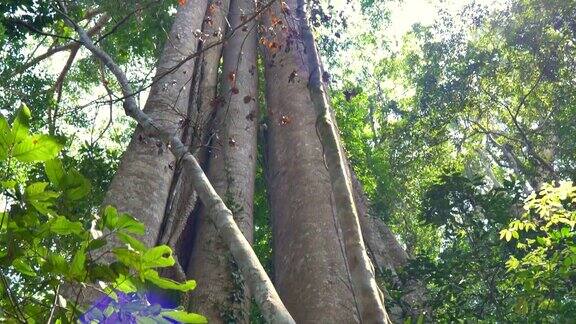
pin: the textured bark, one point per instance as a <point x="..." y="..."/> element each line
<point x="221" y="294"/>
<point x="368" y="298"/>
<point x="200" y="111"/>
<point x="309" y="265"/>
<point x="271" y="306"/>
<point x="141" y="184"/>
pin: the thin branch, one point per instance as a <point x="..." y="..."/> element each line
<point x="100" y="23"/>
<point x="54" y="304"/>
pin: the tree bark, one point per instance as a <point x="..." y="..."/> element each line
<point x="197" y="135"/>
<point x="141" y="184"/>
<point x="221" y="294"/>
<point x="271" y="306"/>
<point x="369" y="301"/>
<point x="310" y="269"/>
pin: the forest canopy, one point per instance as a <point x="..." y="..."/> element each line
<point x="238" y="161"/>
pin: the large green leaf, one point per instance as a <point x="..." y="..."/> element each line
<point x="21" y="124"/>
<point x="40" y="198"/>
<point x="77" y="266"/>
<point x="110" y="217"/>
<point x="184" y="317"/>
<point x="123" y="221"/>
<point x="129" y="258"/>
<point x="54" y="170"/>
<point x="37" y="148"/>
<point x="125" y="284"/>
<point x="75" y="185"/>
<point x="57" y="263"/>
<point x="134" y="243"/>
<point x="61" y="225"/>
<point x="158" y="256"/>
<point x="23" y="267"/>
<point x="165" y="283"/>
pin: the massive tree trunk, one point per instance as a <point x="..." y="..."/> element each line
<point x="183" y="199"/>
<point x="197" y="133"/>
<point x="310" y="189"/>
<point x="141" y="184"/>
<point x="271" y="306"/>
<point x="221" y="294"/>
<point x="369" y="299"/>
<point x="311" y="273"/>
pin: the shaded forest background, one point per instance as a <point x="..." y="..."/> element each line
<point x="462" y="136"/>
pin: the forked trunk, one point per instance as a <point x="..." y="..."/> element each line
<point x="141" y="184"/>
<point x="140" y="187"/>
<point x="222" y="295"/>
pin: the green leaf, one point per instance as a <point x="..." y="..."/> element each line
<point x="23" y="267"/>
<point x="130" y="224"/>
<point x="6" y="138"/>
<point x="40" y="198"/>
<point x="110" y="217"/>
<point x="61" y="225"/>
<point x="96" y="244"/>
<point x="125" y="284"/>
<point x="159" y="256"/>
<point x="134" y="243"/>
<point x="75" y="185"/>
<point x="165" y="283"/>
<point x="21" y="124"/>
<point x="102" y="272"/>
<point x="123" y="221"/>
<point x="37" y="148"/>
<point x="55" y="171"/>
<point x="129" y="258"/>
<point x="57" y="263"/>
<point x="184" y="317"/>
<point x="77" y="266"/>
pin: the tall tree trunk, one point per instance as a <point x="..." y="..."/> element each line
<point x="141" y="184"/>
<point x="265" y="294"/>
<point x="182" y="200"/>
<point x="201" y="109"/>
<point x="221" y="294"/>
<point x="302" y="60"/>
<point x="310" y="269"/>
